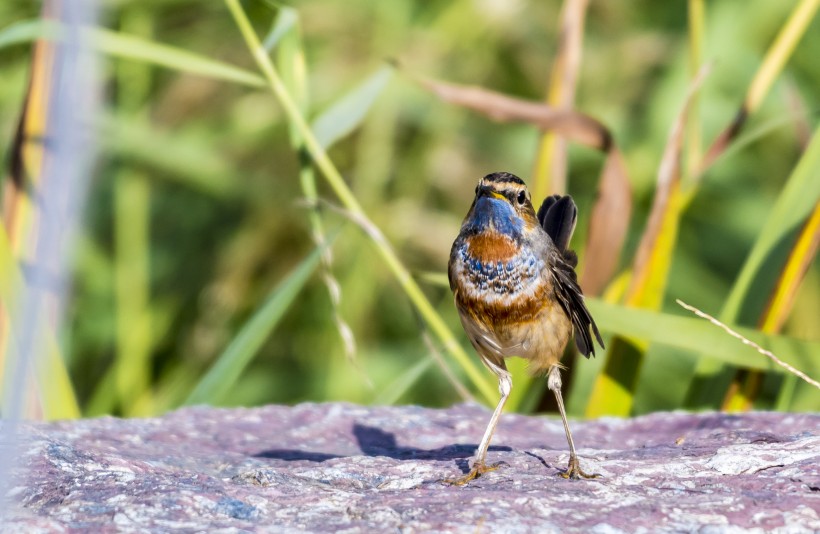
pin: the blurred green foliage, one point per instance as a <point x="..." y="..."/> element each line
<point x="195" y="214"/>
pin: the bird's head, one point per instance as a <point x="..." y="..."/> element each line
<point x="503" y="204"/>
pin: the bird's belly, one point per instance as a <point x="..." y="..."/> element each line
<point x="540" y="340"/>
<point x="508" y="309"/>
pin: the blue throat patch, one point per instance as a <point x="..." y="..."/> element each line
<point x="498" y="214"/>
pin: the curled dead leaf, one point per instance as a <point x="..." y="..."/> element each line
<point x="500" y="107"/>
<point x="608" y="224"/>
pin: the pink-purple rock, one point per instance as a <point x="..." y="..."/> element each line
<point x="339" y="467"/>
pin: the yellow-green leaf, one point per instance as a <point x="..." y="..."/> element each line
<point x="52" y="379"/>
<point x="758" y="276"/>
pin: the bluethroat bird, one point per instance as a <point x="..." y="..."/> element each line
<point x="513" y="279"/>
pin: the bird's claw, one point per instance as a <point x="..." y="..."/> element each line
<point x="574" y="472"/>
<point x="479" y="468"/>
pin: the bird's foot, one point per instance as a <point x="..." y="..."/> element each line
<point x="574" y="472"/>
<point x="479" y="468"/>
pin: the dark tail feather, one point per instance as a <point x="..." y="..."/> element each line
<point x="557" y="216"/>
<point x="583" y="340"/>
<point x="545" y="206"/>
<point x="572" y="302"/>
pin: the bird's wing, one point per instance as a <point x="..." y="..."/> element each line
<point x="571" y="299"/>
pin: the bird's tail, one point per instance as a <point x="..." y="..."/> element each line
<point x="557" y="216"/>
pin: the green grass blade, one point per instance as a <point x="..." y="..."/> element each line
<point x="132" y="198"/>
<point x="393" y="392"/>
<point x="347" y="113"/>
<point x="754" y="135"/>
<point x="795" y="203"/>
<point x="179" y="156"/>
<point x="103" y="400"/>
<point x="129" y="47"/>
<point x="754" y="284"/>
<point x="284" y="22"/>
<point x="696" y="26"/>
<point x="773" y="63"/>
<point x="291" y="60"/>
<point x="806" y="397"/>
<point x="135" y="48"/>
<point x="522" y="385"/>
<point x="27" y="31"/>
<point x="351" y="203"/>
<point x="53" y="381"/>
<point x="698" y="335"/>
<point x="228" y="367"/>
<point x="780" y="52"/>
<point x="785" y="397"/>
<point x="56" y="389"/>
<point x="132" y="241"/>
<point x="779" y="306"/>
<point x="615" y="387"/>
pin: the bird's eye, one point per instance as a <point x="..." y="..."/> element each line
<point x="522" y="197"/>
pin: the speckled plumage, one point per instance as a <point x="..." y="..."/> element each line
<point x="515" y="287"/>
<point x="506" y="274"/>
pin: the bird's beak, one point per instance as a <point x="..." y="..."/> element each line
<point x="488" y="191"/>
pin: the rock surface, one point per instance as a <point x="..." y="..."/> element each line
<point x="337" y="467"/>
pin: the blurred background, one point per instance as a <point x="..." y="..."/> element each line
<point x="195" y="275"/>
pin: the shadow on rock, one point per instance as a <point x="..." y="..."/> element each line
<point x="293" y="455"/>
<point x="376" y="442"/>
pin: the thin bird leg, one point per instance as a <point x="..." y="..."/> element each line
<point x="479" y="467"/>
<point x="574" y="468"/>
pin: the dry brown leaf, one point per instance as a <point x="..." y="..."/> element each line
<point x="669" y="173"/>
<point x="571" y="124"/>
<point x="722" y="142"/>
<point x="608" y="224"/>
<point x="550" y="172"/>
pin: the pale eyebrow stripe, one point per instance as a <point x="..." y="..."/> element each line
<point x="513" y="186"/>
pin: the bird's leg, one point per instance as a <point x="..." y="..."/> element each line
<point x="574" y="468"/>
<point x="479" y="467"/>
